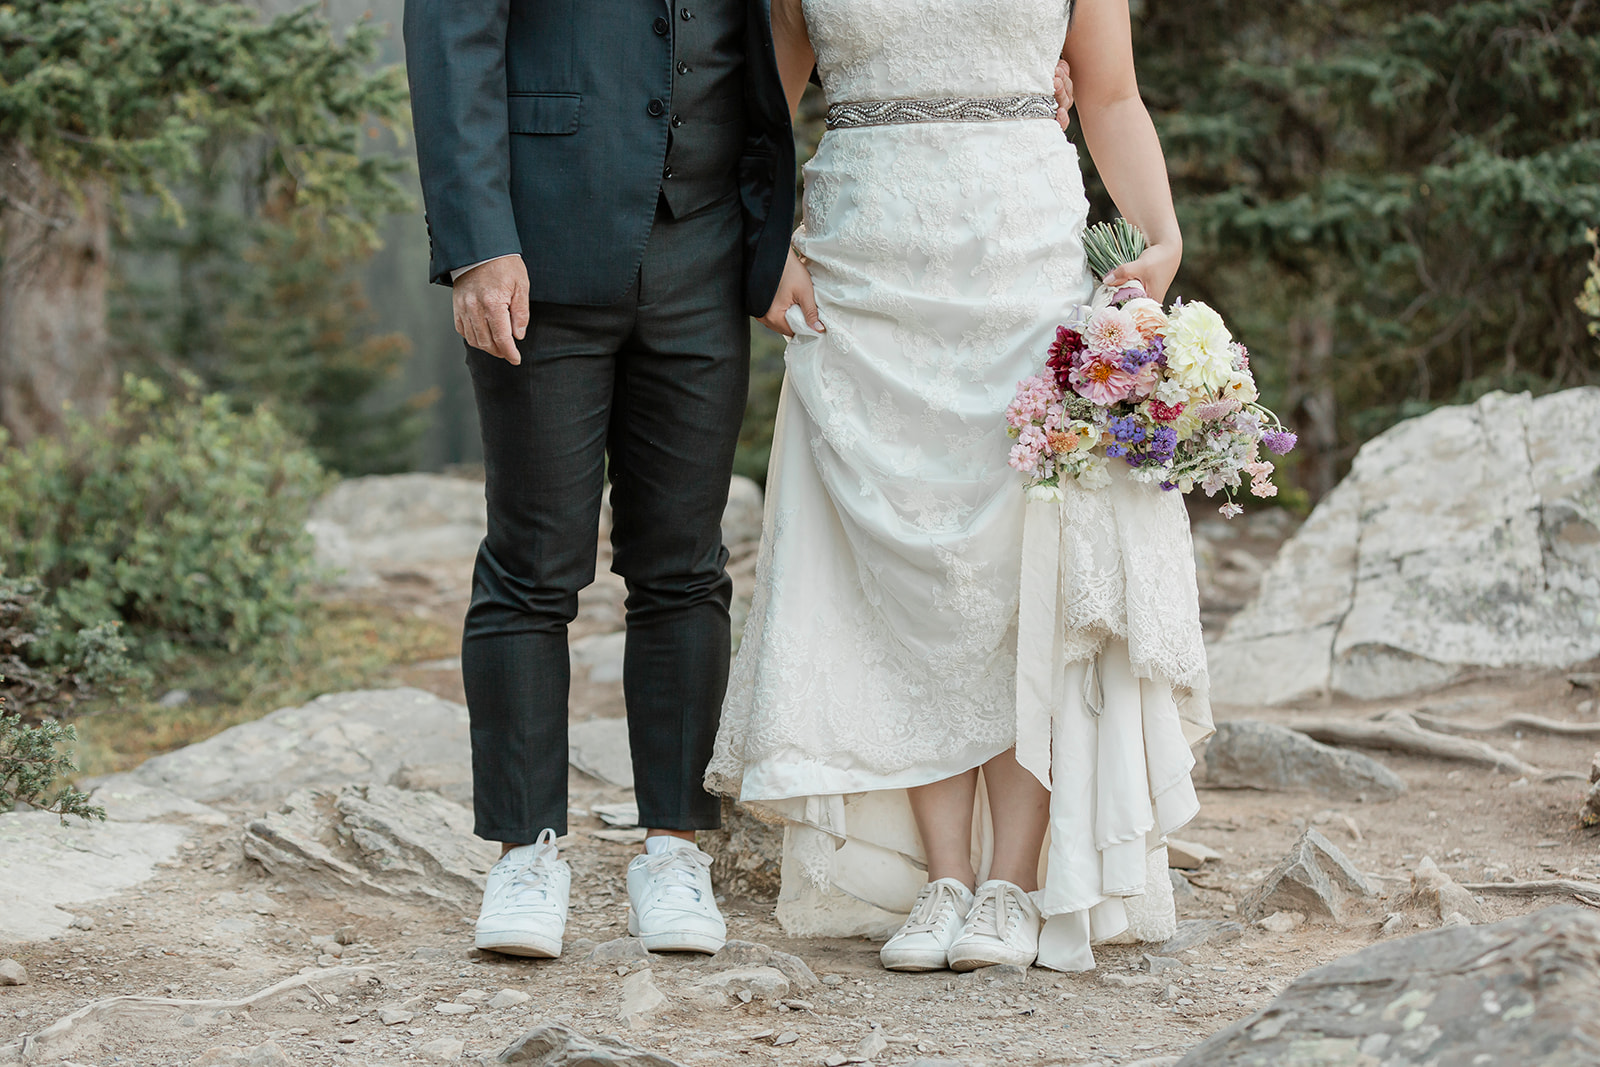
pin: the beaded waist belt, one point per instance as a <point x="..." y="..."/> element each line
<point x="845" y="116"/>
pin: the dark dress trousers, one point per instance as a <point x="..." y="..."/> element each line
<point x="639" y="158"/>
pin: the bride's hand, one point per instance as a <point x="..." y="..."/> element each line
<point x="793" y="288"/>
<point x="1154" y="269"/>
<point x="1063" y="92"/>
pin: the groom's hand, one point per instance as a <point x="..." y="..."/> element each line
<point x="491" y="306"/>
<point x="1063" y="87"/>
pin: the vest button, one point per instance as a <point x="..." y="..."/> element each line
<point x="677" y="120"/>
<point x="667" y="173"/>
<point x="662" y="26"/>
<point x="686" y="14"/>
<point x="655" y="109"/>
<point x="684" y="68"/>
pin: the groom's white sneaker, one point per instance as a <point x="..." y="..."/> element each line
<point x="923" y="942"/>
<point x="1002" y="927"/>
<point x="671" y="906"/>
<point x="525" y="903"/>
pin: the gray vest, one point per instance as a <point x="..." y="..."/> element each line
<point x="708" y="109"/>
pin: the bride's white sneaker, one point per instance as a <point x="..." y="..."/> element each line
<point x="671" y="906"/>
<point x="525" y="903"/>
<point x="1002" y="927"/>
<point x="923" y="942"/>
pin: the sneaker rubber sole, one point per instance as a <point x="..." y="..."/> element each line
<point x="913" y="961"/>
<point x="973" y="959"/>
<point x="518" y="943"/>
<point x="676" y="940"/>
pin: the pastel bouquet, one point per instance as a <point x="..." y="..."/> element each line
<point x="1167" y="392"/>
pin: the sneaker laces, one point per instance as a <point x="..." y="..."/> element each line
<point x="992" y="912"/>
<point x="928" y="914"/>
<point x="679" y="870"/>
<point x="532" y="883"/>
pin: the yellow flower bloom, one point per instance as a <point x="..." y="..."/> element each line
<point x="1199" y="347"/>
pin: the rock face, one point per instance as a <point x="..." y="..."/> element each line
<point x="1261" y="755"/>
<point x="1468" y="537"/>
<point x="1314" y="879"/>
<point x="375" y="839"/>
<point x="1516" y="992"/>
<point x="555" y="1045"/>
<point x="747" y="854"/>
<point x="363" y="736"/>
<point x="365" y="527"/>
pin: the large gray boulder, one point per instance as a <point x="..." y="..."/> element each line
<point x="1468" y="537"/>
<point x="1517" y="992"/>
<point x="384" y="736"/>
<point x="374" y="839"/>
<point x="1245" y="754"/>
<point x="368" y="526"/>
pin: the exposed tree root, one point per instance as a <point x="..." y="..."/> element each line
<point x="1535" y="723"/>
<point x="1588" y="892"/>
<point x="1399" y="731"/>
<point x="127" y="1007"/>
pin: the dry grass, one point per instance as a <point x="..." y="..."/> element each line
<point x="344" y="645"/>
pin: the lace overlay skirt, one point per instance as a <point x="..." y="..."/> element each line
<point x="882" y="648"/>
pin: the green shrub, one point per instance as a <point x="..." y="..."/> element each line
<point x="31" y="759"/>
<point x="88" y="661"/>
<point x="172" y="515"/>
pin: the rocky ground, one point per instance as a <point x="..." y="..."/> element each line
<point x="246" y="946"/>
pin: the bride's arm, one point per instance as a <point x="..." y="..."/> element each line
<point x="795" y="60"/>
<point x="1122" y="139"/>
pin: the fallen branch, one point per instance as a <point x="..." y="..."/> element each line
<point x="1399" y="731"/>
<point x="125" y="1006"/>
<point x="1536" y="723"/>
<point x="1587" y="891"/>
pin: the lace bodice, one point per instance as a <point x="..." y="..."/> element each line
<point x="929" y="49"/>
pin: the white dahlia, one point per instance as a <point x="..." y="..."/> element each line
<point x="1199" y="347"/>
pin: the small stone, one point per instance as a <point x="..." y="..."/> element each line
<point x="450" y="1007"/>
<point x="82" y="922"/>
<point x="745" y="983"/>
<point x="832" y="981"/>
<point x="639" y="998"/>
<point x="394" y="1016"/>
<point x="1189" y="855"/>
<point x="1129" y="981"/>
<point x="345" y="935"/>
<point x="1192" y="933"/>
<point x="1314" y="879"/>
<point x="742" y="954"/>
<point x="346" y="1020"/>
<point x="443" y="1049"/>
<point x="1004" y="974"/>
<point x="472" y="996"/>
<point x="1169" y="995"/>
<point x="1181" y="888"/>
<point x="798" y="1005"/>
<point x="836" y="1060"/>
<point x="429" y="955"/>
<point x="1394" y="923"/>
<point x="872" y="1046"/>
<point x="622" y="948"/>
<point x="1437" y="891"/>
<point x="1157" y="964"/>
<point x="507" y="998"/>
<point x="788" y="1037"/>
<point x="1281" y="922"/>
<point x="1455" y="918"/>
<point x="12" y="973"/>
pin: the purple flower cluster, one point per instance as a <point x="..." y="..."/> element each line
<point x="1279" y="442"/>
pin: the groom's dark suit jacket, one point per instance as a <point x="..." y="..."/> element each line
<point x="543" y="129"/>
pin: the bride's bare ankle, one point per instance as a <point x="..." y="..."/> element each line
<point x="965" y="877"/>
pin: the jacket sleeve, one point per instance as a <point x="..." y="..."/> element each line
<point x="456" y="64"/>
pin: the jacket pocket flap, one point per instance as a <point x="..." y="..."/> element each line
<point x="543" y="112"/>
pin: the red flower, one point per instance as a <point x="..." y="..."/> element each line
<point x="1068" y="346"/>
<point x="1164" y="412"/>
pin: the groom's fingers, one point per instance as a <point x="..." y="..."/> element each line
<point x="502" y="342"/>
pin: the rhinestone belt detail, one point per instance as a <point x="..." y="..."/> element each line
<point x="844" y="116"/>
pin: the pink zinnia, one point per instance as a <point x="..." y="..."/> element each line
<point x="1111" y="332"/>
<point x="1102" y="381"/>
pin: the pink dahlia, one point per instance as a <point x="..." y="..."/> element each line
<point x="1102" y="381"/>
<point x="1111" y="332"/>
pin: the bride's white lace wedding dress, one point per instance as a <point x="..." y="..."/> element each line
<point x="882" y="648"/>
